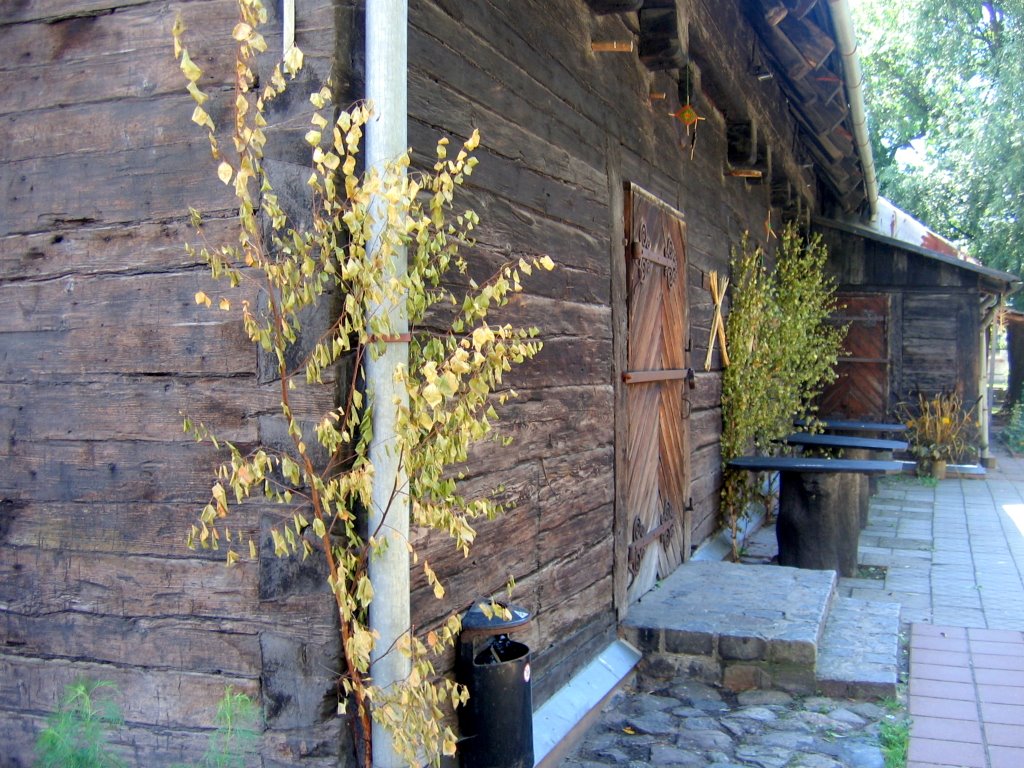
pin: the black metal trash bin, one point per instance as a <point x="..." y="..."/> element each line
<point x="497" y="722"/>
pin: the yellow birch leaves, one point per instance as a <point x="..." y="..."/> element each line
<point x="454" y="378"/>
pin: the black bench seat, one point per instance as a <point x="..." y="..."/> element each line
<point x="816" y="464"/>
<point x="853" y="447"/>
<point x="846" y="425"/>
<point x="844" y="441"/>
<point x="819" y="507"/>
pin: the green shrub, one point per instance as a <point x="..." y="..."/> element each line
<point x="1013" y="434"/>
<point x="783" y="352"/>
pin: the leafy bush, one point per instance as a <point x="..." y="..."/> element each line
<point x="1013" y="434"/>
<point x="783" y="351"/>
<point x="443" y="397"/>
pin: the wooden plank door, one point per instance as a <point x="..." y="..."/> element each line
<point x="861" y="390"/>
<point x="657" y="380"/>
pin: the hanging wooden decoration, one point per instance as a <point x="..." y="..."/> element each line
<point x="688" y="116"/>
<point x="769" y="233"/>
<point x="717" y="323"/>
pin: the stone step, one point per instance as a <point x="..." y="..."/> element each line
<point x="744" y="626"/>
<point x="735" y="625"/>
<point x="858" y="657"/>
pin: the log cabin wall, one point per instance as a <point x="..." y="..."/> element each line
<point x="934" y="322"/>
<point x="564" y="128"/>
<point x="102" y="344"/>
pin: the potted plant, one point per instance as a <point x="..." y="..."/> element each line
<point x="940" y="431"/>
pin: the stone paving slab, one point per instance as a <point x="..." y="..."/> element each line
<point x="975" y="584"/>
<point x="759" y="613"/>
<point x="958" y="679"/>
<point x="768" y="627"/>
<point x="688" y="724"/>
<point x="859" y="653"/>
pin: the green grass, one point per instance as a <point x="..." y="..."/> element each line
<point x="237" y="737"/>
<point x="76" y="734"/>
<point x="894" y="735"/>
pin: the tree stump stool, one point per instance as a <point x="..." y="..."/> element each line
<point x="818" y="525"/>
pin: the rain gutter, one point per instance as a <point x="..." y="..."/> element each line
<point x="386" y="140"/>
<point x="842" y="24"/>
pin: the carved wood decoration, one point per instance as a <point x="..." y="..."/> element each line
<point x="657" y="451"/>
<point x="861" y="390"/>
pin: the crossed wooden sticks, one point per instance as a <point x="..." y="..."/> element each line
<point x="717" y="324"/>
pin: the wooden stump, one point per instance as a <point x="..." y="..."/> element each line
<point x="867" y="485"/>
<point x="819" y="521"/>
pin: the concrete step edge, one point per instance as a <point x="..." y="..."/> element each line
<point x="859" y="652"/>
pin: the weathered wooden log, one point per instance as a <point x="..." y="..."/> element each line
<point x="777" y="10"/>
<point x="742" y="138"/>
<point x="813" y="43"/>
<point x="818" y="526"/>
<point x="663" y="36"/>
<point x="614" y="6"/>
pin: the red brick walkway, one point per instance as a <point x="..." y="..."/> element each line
<point x="966" y="697"/>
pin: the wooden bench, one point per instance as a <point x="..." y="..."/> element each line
<point x="857" y="427"/>
<point x="819" y="513"/>
<point x="845" y="442"/>
<point x="853" y="447"/>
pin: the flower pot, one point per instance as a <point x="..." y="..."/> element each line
<point x="935" y="468"/>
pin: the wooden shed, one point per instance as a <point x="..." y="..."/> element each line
<point x="919" y="322"/>
<point x="634" y="142"/>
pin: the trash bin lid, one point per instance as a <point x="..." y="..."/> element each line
<point x="476" y="622"/>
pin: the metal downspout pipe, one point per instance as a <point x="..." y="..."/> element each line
<point x="387" y="139"/>
<point x="842" y="23"/>
<point x="989" y="312"/>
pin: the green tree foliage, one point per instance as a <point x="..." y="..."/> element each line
<point x="783" y="352"/>
<point x="1013" y="434"/>
<point x="454" y="377"/>
<point x="945" y="79"/>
